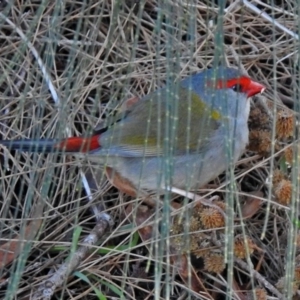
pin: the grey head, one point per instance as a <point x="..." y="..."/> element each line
<point x="224" y="89"/>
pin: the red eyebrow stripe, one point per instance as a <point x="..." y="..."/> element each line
<point x="243" y="81"/>
<point x="248" y="86"/>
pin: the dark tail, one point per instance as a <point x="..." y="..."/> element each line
<point x="27" y="145"/>
<point x="69" y="145"/>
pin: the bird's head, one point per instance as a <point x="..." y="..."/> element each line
<point x="225" y="89"/>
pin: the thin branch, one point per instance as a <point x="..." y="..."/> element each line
<point x="47" y="288"/>
<point x="259" y="278"/>
<point x="36" y="56"/>
<point x="270" y="19"/>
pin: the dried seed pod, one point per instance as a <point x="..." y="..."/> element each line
<point x="280" y="285"/>
<point x="288" y="155"/>
<point x="298" y="244"/>
<point x="260" y="141"/>
<point x="284" y="124"/>
<point x="297" y="274"/>
<point x="241" y="244"/>
<point x="278" y="176"/>
<point x="283" y="192"/>
<point x="214" y="263"/>
<point x="259" y="119"/>
<point x="212" y="218"/>
<point x="260" y="294"/>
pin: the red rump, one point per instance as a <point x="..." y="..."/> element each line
<point x="79" y="144"/>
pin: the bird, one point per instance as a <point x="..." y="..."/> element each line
<point x="182" y="135"/>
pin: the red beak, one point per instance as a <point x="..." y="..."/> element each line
<point x="254" y="88"/>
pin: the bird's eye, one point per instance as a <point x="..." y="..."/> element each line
<point x="237" y="88"/>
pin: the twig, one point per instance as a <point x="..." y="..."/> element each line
<point x="197" y="198"/>
<point x="36" y="56"/>
<point x="89" y="184"/>
<point x="46" y="288"/>
<point x="12" y="248"/>
<point x="258" y="277"/>
<point x="104" y="221"/>
<point x="270" y="19"/>
<point x="14" y="89"/>
<point x="48" y="80"/>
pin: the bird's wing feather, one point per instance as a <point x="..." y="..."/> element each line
<point x="161" y="124"/>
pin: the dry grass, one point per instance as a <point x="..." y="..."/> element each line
<point x="97" y="54"/>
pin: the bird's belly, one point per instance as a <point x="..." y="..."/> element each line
<point x="185" y="171"/>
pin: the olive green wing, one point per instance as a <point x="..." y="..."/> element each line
<point x="160" y="124"/>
